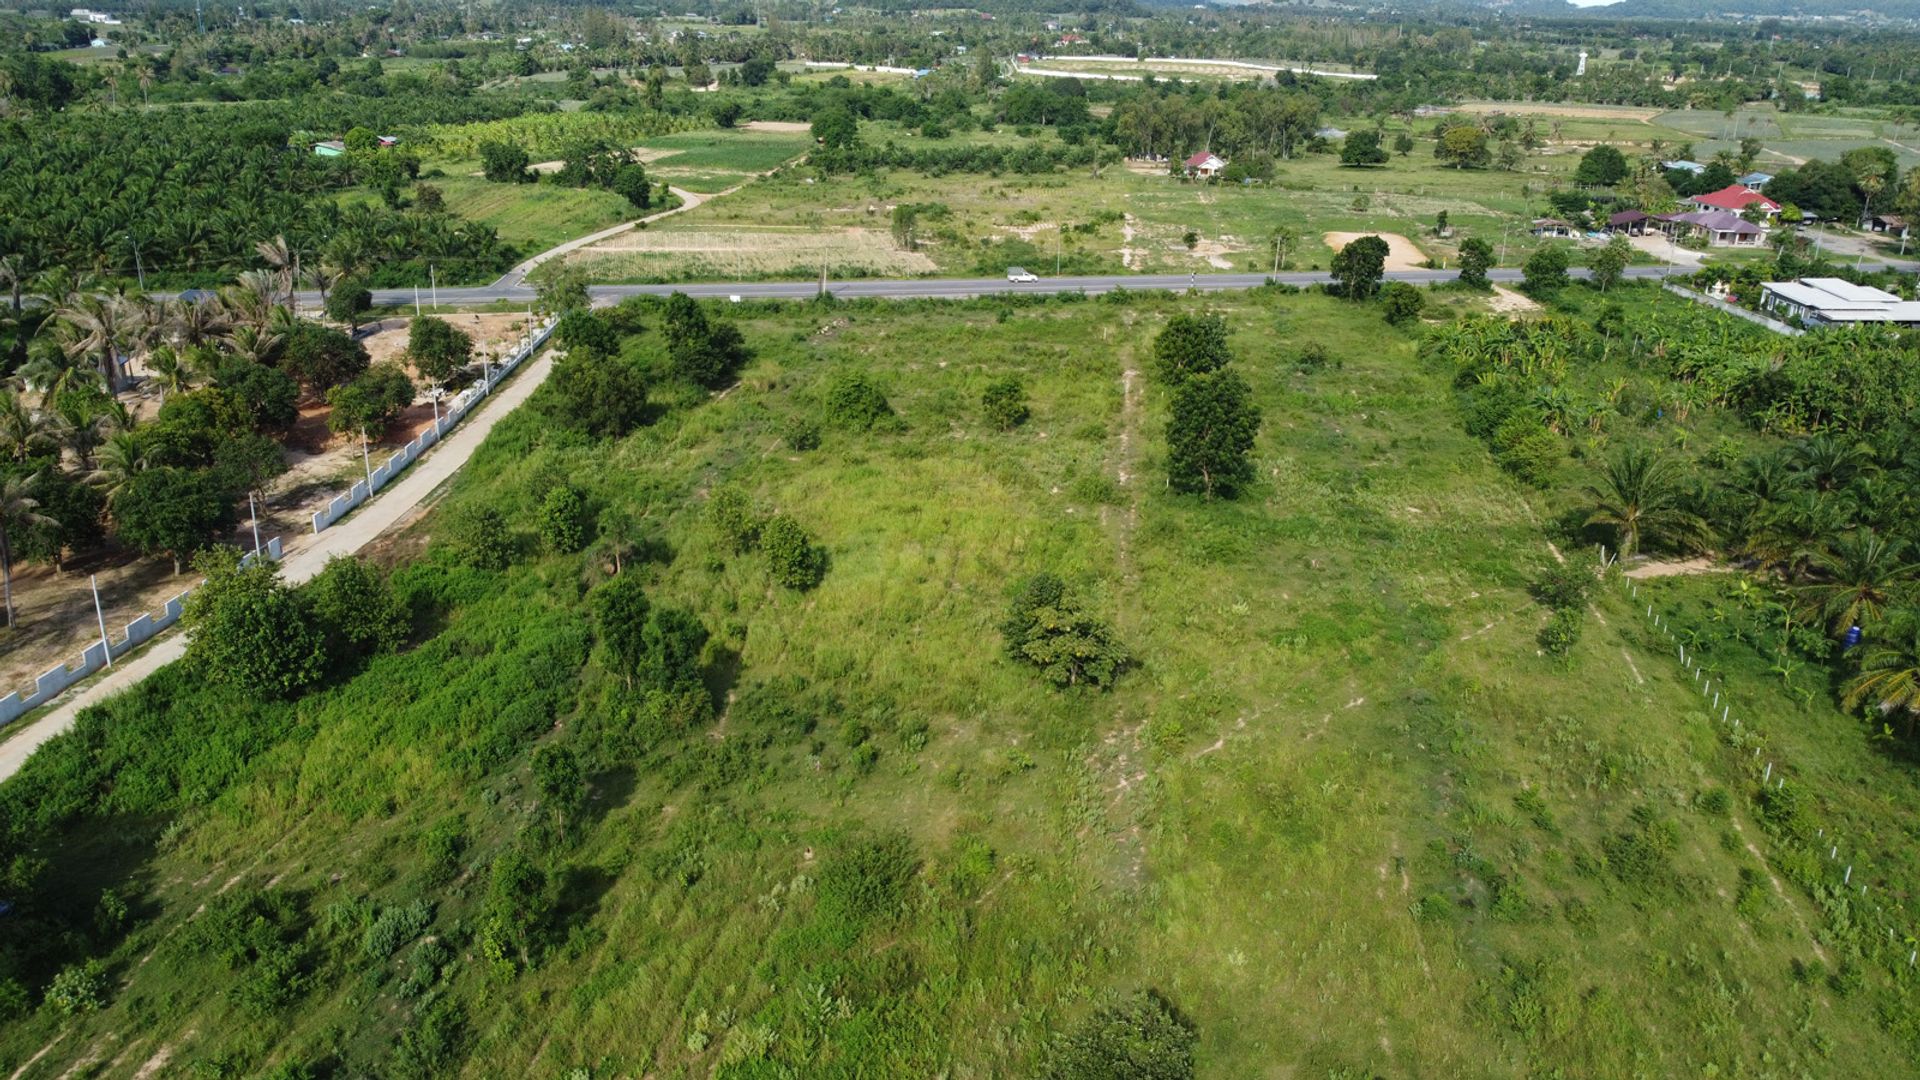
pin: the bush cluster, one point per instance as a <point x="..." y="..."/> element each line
<point x="1046" y="628"/>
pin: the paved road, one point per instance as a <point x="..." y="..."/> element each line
<point x="940" y="288"/>
<point x="384" y="511"/>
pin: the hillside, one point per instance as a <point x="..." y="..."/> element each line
<point x="1343" y="813"/>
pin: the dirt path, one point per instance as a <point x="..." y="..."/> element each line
<point x="1401" y="254"/>
<point x="392" y="505"/>
<point x="1675" y="568"/>
<point x="689" y="200"/>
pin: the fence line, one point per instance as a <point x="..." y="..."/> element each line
<point x="456" y="410"/>
<point x="141" y="630"/>
<point x="1735" y="310"/>
<point x="1770" y="772"/>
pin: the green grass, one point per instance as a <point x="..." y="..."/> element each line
<point x="535" y="217"/>
<point x="1343" y="814"/>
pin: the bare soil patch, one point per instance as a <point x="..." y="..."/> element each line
<point x="1505" y="301"/>
<point x="1576" y="112"/>
<point x="784" y="127"/>
<point x="1401" y="254"/>
<point x="747" y="252"/>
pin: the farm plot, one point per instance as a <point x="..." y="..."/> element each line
<point x="710" y="252"/>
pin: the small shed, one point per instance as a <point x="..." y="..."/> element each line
<point x="1628" y="222"/>
<point x="1204" y="165"/>
<point x="1554" y="227"/>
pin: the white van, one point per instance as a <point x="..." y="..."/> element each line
<point x="1019" y="275"/>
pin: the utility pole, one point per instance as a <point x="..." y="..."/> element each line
<point x="433" y="277"/>
<point x="101" y="618"/>
<point x="367" y="460"/>
<point x="253" y="515"/>
<point x="416" y="301"/>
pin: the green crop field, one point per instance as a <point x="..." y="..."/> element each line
<point x="1343" y="814"/>
<point x="535" y="217"/>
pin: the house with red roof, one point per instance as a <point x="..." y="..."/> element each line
<point x="1735" y="198"/>
<point x="1204" y="165"/>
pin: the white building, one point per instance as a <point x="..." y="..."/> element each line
<point x="97" y="18"/>
<point x="1836" y="302"/>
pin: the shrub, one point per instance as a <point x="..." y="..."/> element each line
<point x="1313" y="356"/>
<point x="1714" y="802"/>
<point x="1545" y="271"/>
<point x="437" y="348"/>
<point x="1562" y="632"/>
<point x="1005" y="404"/>
<point x="356" y="608"/>
<point x="585" y="329"/>
<point x="1401" y="302"/>
<point x="854" y="403"/>
<point x="441" y="849"/>
<point x="801" y="434"/>
<point x="603" y="396"/>
<point x="731" y="513"/>
<point x="864" y="883"/>
<point x="275" y="979"/>
<point x="394" y="927"/>
<point x="559" y="780"/>
<point x="620" y="610"/>
<point x="478" y="536"/>
<point x="795" y="560"/>
<point x="1140" y="1037"/>
<point x="1534" y="457"/>
<point x="79" y="989"/>
<point x="563" y="520"/>
<point x="1565" y="585"/>
<point x="348" y="301"/>
<point x="322" y="357"/>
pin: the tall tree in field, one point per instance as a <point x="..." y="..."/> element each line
<point x="1476" y="257"/>
<point x="19" y="510"/>
<point x="1190" y="345"/>
<point x="1210" y="431"/>
<point x="1637" y="494"/>
<point x="1609" y="261"/>
<point x="1463" y="145"/>
<point x="1359" y="266"/>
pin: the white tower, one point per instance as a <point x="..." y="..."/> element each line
<point x="1582" y="69"/>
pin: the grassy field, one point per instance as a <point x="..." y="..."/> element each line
<point x="534" y="217"/>
<point x="1343" y="814"/>
<point x="708" y="161"/>
<point x="670" y="253"/>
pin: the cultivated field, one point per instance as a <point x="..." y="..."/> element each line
<point x="732" y="254"/>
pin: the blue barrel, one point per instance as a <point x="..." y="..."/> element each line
<point x="1853" y="636"/>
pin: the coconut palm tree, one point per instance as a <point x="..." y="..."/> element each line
<point x="199" y="322"/>
<point x="24" y="432"/>
<point x="1889" y="675"/>
<point x="1859" y="577"/>
<point x="120" y="457"/>
<point x="284" y="261"/>
<point x="173" y="375"/>
<point x="98" y="327"/>
<point x="18" y="510"/>
<point x="1638" y="494"/>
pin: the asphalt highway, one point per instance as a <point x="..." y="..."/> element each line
<point x="927" y="288"/>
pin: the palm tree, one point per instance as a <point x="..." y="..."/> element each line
<point x="98" y="327"/>
<point x="1889" y="675"/>
<point x="284" y="261"/>
<point x="23" y="431"/>
<point x="18" y="510"/>
<point x="1827" y="462"/>
<point x="1860" y="576"/>
<point x="120" y="457"/>
<point x="172" y="374"/>
<point x="198" y="322"/>
<point x="1638" y="494"/>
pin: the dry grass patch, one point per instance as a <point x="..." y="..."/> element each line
<point x="750" y="252"/>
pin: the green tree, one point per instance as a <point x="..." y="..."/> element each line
<point x="348" y="301"/>
<point x="731" y="513"/>
<point x="437" y="348"/>
<point x="1637" y="494"/>
<point x="836" y="129"/>
<point x="585" y="329"/>
<point x="1005" y="403"/>
<point x="564" y="520"/>
<point x="1476" y="258"/>
<point x="269" y="397"/>
<point x="560" y="781"/>
<point x="631" y="183"/>
<point x="854" y="402"/>
<point x="1140" y="1037"/>
<point x="1211" y="426"/>
<point x="700" y="350"/>
<point x="1358" y="267"/>
<point x="1046" y="628"/>
<point x="322" y="357"/>
<point x="603" y="396"/>
<point x="1602" y="166"/>
<point x="249" y="630"/>
<point x="1190" y="345"/>
<point x="1363" y="148"/>
<point x="620" y="611"/>
<point x="1403" y="143"/>
<point x="357" y="610"/>
<point x="19" y="513"/>
<point x="1609" y="261"/>
<point x="560" y="287"/>
<point x="171" y="511"/>
<point x="518" y="905"/>
<point x="1463" y="146"/>
<point x="1545" y="271"/>
<point x="794" y="559"/>
<point x="370" y="403"/>
<point x="504" y="163"/>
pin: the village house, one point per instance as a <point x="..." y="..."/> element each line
<point x="1735" y="198"/>
<point x="1205" y="166"/>
<point x="1837" y="302"/>
<point x="1720" y="228"/>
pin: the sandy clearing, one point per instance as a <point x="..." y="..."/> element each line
<point x="1570" y="112"/>
<point x="1505" y="301"/>
<point x="784" y="127"/>
<point x="1675" y="568"/>
<point x="1401" y="254"/>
